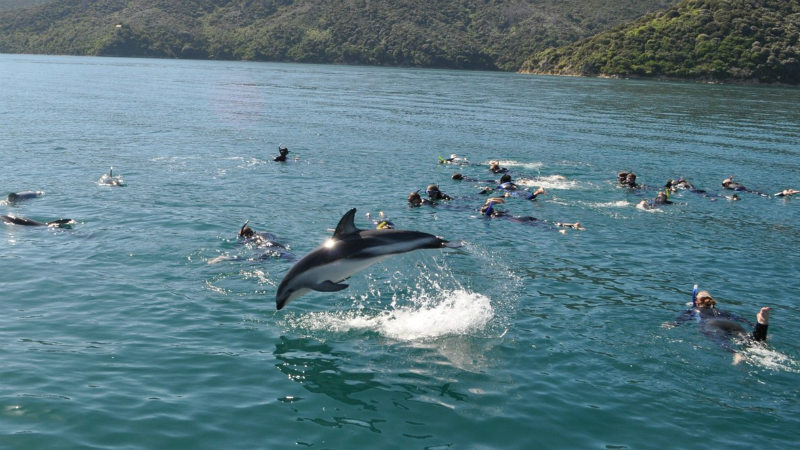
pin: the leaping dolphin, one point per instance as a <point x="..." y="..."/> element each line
<point x="348" y="252"/>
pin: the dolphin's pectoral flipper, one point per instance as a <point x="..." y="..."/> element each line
<point x="330" y="286"/>
<point x="346" y="226"/>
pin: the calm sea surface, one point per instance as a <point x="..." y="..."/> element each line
<point x="147" y="325"/>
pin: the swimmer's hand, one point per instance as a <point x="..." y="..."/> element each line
<point x="763" y="316"/>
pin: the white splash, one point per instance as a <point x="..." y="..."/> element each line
<point x="549" y="182"/>
<point x="615" y="204"/>
<point x="525" y="165"/>
<point x="456" y="312"/>
<point x="761" y="356"/>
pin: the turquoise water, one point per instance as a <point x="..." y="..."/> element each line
<point x="145" y="325"/>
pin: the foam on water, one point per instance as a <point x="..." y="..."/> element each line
<point x="767" y="358"/>
<point x="549" y="182"/>
<point x="424" y="316"/>
<point x="524" y="165"/>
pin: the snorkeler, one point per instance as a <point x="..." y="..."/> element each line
<point x="382" y="222"/>
<point x="630" y="180"/>
<point x="721" y="326"/>
<point x="729" y="184"/>
<point x="783" y="193"/>
<point x="494" y="167"/>
<point x="453" y="159"/>
<point x="414" y="199"/>
<point x="109" y="179"/>
<point x="661" y="199"/>
<point x="283" y="152"/>
<point x="435" y="194"/>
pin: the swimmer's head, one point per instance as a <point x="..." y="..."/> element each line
<point x="12" y="197"/>
<point x="246" y="232"/>
<point x="505" y="178"/>
<point x="283" y="150"/>
<point x="631" y="178"/>
<point x="457" y="176"/>
<point x="704" y="300"/>
<point x="414" y="198"/>
<point x="432" y="190"/>
<point x="494" y="166"/>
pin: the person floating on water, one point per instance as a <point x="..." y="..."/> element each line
<point x="283" y="152"/>
<point x="783" y="193"/>
<point x="434" y="194"/>
<point x="382" y="222"/>
<point x="661" y="199"/>
<point x="414" y="199"/>
<point x="720" y="326"/>
<point x="453" y="159"/>
<point x="629" y="181"/>
<point x="729" y="184"/>
<point x="265" y="243"/>
<point x="494" y="167"/>
<point x="109" y="179"/>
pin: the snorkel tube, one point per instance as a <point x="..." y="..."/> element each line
<point x="694" y="296"/>
<point x="488" y="212"/>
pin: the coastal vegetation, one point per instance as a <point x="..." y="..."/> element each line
<point x="472" y="34"/>
<point x="709" y="40"/>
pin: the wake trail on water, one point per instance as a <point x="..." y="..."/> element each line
<point x="767" y="358"/>
<point x="555" y="182"/>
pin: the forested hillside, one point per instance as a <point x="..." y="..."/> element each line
<point x="7" y="5"/>
<point x="713" y="40"/>
<point x="484" y="34"/>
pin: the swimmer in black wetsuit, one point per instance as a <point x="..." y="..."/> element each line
<point x="729" y="184"/>
<point x="661" y="199"/>
<point x="494" y="167"/>
<point x="721" y="326"/>
<point x="264" y="243"/>
<point x="630" y="180"/>
<point x="282" y="156"/>
<point x="414" y="199"/>
<point x="434" y="194"/>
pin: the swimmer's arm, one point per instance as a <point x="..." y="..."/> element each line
<point x="760" y="332"/>
<point x="684" y="317"/>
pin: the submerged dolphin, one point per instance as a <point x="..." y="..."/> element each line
<point x="32" y="223"/>
<point x="348" y="252"/>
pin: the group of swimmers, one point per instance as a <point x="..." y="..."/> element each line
<point x="497" y="192"/>
<point x="628" y="179"/>
<point x="721" y="326"/>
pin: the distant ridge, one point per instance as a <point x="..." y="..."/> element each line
<point x="708" y="40"/>
<point x="467" y="34"/>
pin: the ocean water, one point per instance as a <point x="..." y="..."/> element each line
<point x="147" y="325"/>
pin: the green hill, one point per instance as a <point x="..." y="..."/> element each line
<point x="484" y="34"/>
<point x="710" y="40"/>
<point x="7" y="5"/>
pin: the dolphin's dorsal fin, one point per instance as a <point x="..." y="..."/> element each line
<point x="346" y="225"/>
